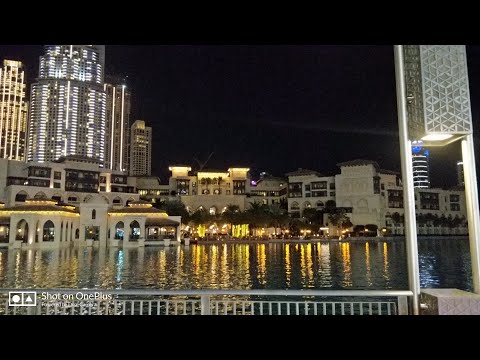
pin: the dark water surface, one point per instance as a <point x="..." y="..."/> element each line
<point x="444" y="263"/>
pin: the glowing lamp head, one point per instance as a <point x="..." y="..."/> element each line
<point x="436" y="137"/>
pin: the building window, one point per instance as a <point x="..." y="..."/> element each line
<point x="376" y="184"/>
<point x="454" y="198"/>
<point x="382" y="186"/>
<point x="103" y="179"/>
<point x="295" y="190"/>
<point x="395" y="199"/>
<point x="455" y="207"/>
<point x="57" y="175"/>
<point x="94" y="214"/>
<point x="239" y="187"/>
<point x="319" y="185"/>
<point x="57" y="185"/>
<point x="183" y="187"/>
<point x="295" y="206"/>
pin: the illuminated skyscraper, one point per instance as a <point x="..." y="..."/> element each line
<point x="118" y="124"/>
<point x="67" y="111"/>
<point x="13" y="111"/>
<point x="421" y="177"/>
<point x="140" y="149"/>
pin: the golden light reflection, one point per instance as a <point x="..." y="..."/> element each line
<point x="214" y="260"/>
<point x="262" y="264"/>
<point x="162" y="266"/>
<point x="386" y="274"/>
<point x="288" y="267"/>
<point x="180" y="259"/>
<point x="347" y="266"/>
<point x="17" y="268"/>
<point x="309" y="264"/>
<point x="367" y="264"/>
<point x="224" y="262"/>
<point x="1" y="264"/>
<point x="306" y="264"/>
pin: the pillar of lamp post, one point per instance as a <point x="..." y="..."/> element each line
<point x="433" y="101"/>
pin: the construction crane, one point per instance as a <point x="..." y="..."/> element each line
<point x="201" y="165"/>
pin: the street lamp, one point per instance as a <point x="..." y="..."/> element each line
<point x="433" y="104"/>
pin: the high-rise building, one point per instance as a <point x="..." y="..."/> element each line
<point x="67" y="111"/>
<point x="421" y="176"/>
<point x="13" y="111"/>
<point x="117" y="129"/>
<point x="140" y="149"/>
<point x="460" y="176"/>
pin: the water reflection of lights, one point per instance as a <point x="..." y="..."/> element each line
<point x="386" y="273"/>
<point x="324" y="266"/>
<point x="367" y="264"/>
<point x="214" y="261"/>
<point x="1" y="265"/>
<point x="262" y="264"/>
<point x="119" y="266"/>
<point x="347" y="266"/>
<point x="376" y="265"/>
<point x="224" y="261"/>
<point x="288" y="267"/>
<point x="306" y="265"/>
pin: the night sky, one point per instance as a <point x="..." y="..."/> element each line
<point x="272" y="108"/>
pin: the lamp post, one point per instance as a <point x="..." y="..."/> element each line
<point x="433" y="101"/>
<point x="407" y="180"/>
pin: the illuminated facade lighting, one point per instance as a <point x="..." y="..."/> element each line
<point x="67" y="113"/>
<point x="140" y="149"/>
<point x="117" y="125"/>
<point x="13" y="111"/>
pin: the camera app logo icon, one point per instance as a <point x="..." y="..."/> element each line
<point x="22" y="298"/>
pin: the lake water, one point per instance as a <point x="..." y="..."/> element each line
<point x="444" y="263"/>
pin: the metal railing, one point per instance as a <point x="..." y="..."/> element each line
<point x="206" y="302"/>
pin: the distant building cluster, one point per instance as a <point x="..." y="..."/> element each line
<point x="72" y="111"/>
<point x="368" y="194"/>
<point x="75" y="167"/>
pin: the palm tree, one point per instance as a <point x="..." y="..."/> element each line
<point x="257" y="215"/>
<point x="278" y="216"/>
<point x="339" y="219"/>
<point x="175" y="208"/>
<point x="232" y="215"/>
<point x="330" y="205"/>
<point x="312" y="216"/>
<point x="201" y="217"/>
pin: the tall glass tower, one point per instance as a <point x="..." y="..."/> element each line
<point x="140" y="149"/>
<point x="68" y="101"/>
<point x="421" y="176"/>
<point x="117" y="131"/>
<point x="13" y="111"/>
